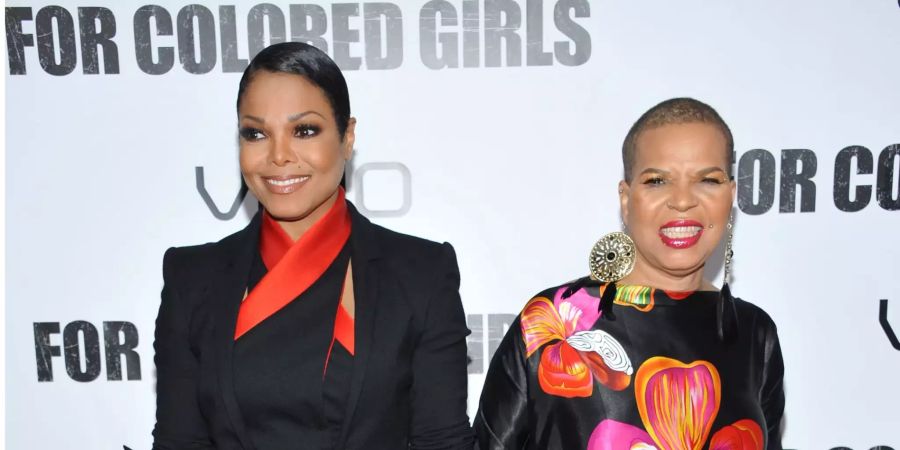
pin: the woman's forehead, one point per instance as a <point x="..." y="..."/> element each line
<point x="681" y="144"/>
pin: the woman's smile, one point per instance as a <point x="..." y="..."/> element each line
<point x="285" y="184"/>
<point x="680" y="234"/>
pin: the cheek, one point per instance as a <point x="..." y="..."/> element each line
<point x="719" y="205"/>
<point x="250" y="160"/>
<point x="642" y="208"/>
<point x="711" y="239"/>
<point x="325" y="158"/>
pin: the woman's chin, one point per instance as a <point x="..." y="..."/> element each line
<point x="285" y="213"/>
<point x="681" y="264"/>
<point x="683" y="270"/>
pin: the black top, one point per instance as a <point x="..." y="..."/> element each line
<point x="655" y="373"/>
<point x="408" y="379"/>
<point x="279" y="365"/>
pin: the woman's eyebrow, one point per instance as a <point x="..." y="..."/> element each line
<point x="290" y="118"/>
<point x="654" y="170"/>
<point x="710" y="170"/>
<point x="298" y="116"/>
<point x="253" y="118"/>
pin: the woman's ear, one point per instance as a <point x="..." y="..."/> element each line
<point x="624" y="193"/>
<point x="733" y="191"/>
<point x="349" y="139"/>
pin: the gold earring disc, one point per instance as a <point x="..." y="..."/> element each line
<point x="612" y="257"/>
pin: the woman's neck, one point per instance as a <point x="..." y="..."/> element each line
<point x="645" y="275"/>
<point x="297" y="228"/>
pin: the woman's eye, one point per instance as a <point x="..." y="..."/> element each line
<point x="251" y="134"/>
<point x="712" y="181"/>
<point x="305" y="131"/>
<point x="654" y="181"/>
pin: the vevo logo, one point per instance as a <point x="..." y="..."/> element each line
<point x="885" y="325"/>
<point x="370" y="186"/>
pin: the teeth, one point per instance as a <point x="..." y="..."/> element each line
<point x="287" y="182"/>
<point x="681" y="232"/>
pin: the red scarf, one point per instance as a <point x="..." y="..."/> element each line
<point x="294" y="266"/>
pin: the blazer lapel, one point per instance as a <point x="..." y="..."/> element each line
<point x="230" y="292"/>
<point x="365" y="253"/>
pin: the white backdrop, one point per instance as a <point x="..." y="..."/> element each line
<point x="515" y="165"/>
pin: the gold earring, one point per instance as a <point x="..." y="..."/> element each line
<point x="612" y="257"/>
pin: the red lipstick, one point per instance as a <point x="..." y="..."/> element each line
<point x="681" y="234"/>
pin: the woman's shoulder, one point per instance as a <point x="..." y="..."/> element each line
<point x="750" y="313"/>
<point x="407" y="248"/>
<point x="181" y="258"/>
<point x="400" y="240"/>
<point x="206" y="250"/>
<point x="558" y="289"/>
<point x="573" y="290"/>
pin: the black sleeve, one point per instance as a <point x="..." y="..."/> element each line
<point x="440" y="379"/>
<point x="502" y="418"/>
<point x="772" y="395"/>
<point x="179" y="424"/>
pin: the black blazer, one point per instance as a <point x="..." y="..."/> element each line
<point x="408" y="388"/>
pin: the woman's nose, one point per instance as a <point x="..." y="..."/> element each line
<point x="682" y="199"/>
<point x="281" y="153"/>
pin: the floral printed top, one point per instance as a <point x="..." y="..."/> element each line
<point x="655" y="374"/>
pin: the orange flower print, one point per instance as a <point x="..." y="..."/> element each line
<point x="576" y="355"/>
<point x="678" y="404"/>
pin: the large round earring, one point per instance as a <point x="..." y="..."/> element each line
<point x="612" y="257"/>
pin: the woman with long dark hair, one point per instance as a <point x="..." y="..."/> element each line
<point x="311" y="327"/>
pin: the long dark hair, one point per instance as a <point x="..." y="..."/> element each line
<point x="309" y="62"/>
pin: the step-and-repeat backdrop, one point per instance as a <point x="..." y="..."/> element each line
<point x="495" y="125"/>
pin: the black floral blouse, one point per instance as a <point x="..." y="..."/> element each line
<point x="654" y="374"/>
